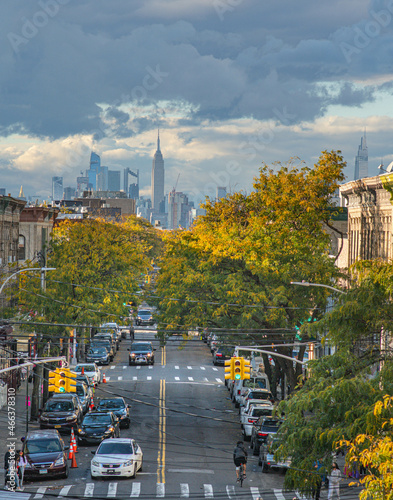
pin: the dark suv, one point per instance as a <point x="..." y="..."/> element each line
<point x="107" y="344"/>
<point x="45" y="454"/>
<point x="261" y="429"/>
<point x="144" y="317"/>
<point x="141" y="352"/>
<point x="119" y="407"/>
<point x="61" y="413"/>
<point x="222" y="354"/>
<point x="98" y="355"/>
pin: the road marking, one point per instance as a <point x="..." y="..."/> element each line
<point x="113" y="367"/>
<point x="108" y="379"/>
<point x="278" y="494"/>
<point x="206" y="379"/>
<point x="161" y="440"/>
<point x="189" y="367"/>
<point x="177" y="378"/>
<point x="136" y="490"/>
<point x="203" y="368"/>
<point x="219" y="380"/>
<point x="134" y="378"/>
<point x="40" y="492"/>
<point x="112" y="489"/>
<point x="254" y="492"/>
<point x="138" y="367"/>
<point x="184" y="491"/>
<point x="148" y="378"/>
<point x="89" y="490"/>
<point x="215" y="369"/>
<point x="124" y="367"/>
<point x="177" y="367"/>
<point x="120" y="377"/>
<point x="191" y="471"/>
<point x="150" y="367"/>
<point x="190" y="379"/>
<point x="160" y="490"/>
<point x="231" y="491"/>
<point x="64" y="491"/>
<point x="208" y="490"/>
<point x="163" y="355"/>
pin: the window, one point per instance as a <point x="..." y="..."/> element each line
<point x="22" y="248"/>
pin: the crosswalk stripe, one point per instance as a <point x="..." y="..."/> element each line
<point x="124" y="367"/>
<point x="215" y="369"/>
<point x="120" y="377"/>
<point x="219" y="380"/>
<point x="150" y="367"/>
<point x="64" y="491"/>
<point x="177" y="368"/>
<point x="40" y="492"/>
<point x="206" y="379"/>
<point x="278" y="494"/>
<point x="254" y="492"/>
<point x="177" y="378"/>
<point x="138" y="367"/>
<point x="189" y="367"/>
<point x="112" y="489"/>
<point x="136" y="490"/>
<point x="160" y="490"/>
<point x="190" y="379"/>
<point x="108" y="379"/>
<point x="231" y="491"/>
<point x="208" y="490"/>
<point x="148" y="378"/>
<point x="134" y="378"/>
<point x="113" y="367"/>
<point x="203" y="368"/>
<point x="89" y="490"/>
<point x="184" y="491"/>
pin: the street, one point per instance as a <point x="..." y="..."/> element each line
<point x="186" y="425"/>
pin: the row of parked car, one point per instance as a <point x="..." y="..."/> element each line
<point x="256" y="406"/>
<point x="105" y="343"/>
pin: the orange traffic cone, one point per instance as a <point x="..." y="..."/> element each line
<point x="91" y="405"/>
<point x="103" y="378"/>
<point x="74" y="465"/>
<point x="71" y="453"/>
<point x="74" y="442"/>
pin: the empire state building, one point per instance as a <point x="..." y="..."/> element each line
<point x="157" y="178"/>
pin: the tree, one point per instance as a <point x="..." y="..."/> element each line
<point x="232" y="269"/>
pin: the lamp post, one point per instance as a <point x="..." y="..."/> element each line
<point x="306" y="283"/>
<point x="41" y="269"/>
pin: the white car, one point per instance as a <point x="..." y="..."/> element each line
<point x="91" y="370"/>
<point x="250" y="393"/>
<point x="245" y="410"/>
<point x="117" y="457"/>
<point x="254" y="413"/>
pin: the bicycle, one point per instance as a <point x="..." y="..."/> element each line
<point x="241" y="475"/>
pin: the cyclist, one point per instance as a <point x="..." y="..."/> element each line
<point x="240" y="457"/>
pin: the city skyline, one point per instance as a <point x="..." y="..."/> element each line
<point x="230" y="86"/>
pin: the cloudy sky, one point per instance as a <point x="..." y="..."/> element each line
<point x="229" y="83"/>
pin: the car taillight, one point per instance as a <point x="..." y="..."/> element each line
<point x="262" y="434"/>
<point x="218" y="355"/>
<point x="238" y="391"/>
<point x="251" y="420"/>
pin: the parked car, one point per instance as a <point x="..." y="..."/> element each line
<point x="254" y="413"/>
<point x="141" y="352"/>
<point x="85" y="395"/>
<point x="251" y="393"/>
<point x="261" y="429"/>
<point x="110" y="336"/>
<point x="259" y="381"/>
<point x="45" y="453"/>
<point x="117" y="457"/>
<point x="119" y="407"/>
<point x="97" y="426"/>
<point x="107" y="344"/>
<point x="244" y="411"/>
<point x="266" y="455"/>
<point x="91" y="370"/>
<point x="144" y="317"/>
<point x="221" y="354"/>
<point x="61" y="412"/>
<point x="98" y="355"/>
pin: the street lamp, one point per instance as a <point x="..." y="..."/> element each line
<point x="306" y="283"/>
<point x="41" y="269"/>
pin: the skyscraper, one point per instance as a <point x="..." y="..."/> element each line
<point x="94" y="170"/>
<point x="361" y="160"/>
<point x="57" y="188"/>
<point x="157" y="178"/>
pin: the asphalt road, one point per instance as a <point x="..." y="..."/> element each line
<point x="186" y="426"/>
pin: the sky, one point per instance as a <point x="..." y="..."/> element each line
<point x="230" y="84"/>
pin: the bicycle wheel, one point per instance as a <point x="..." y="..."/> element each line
<point x="241" y="475"/>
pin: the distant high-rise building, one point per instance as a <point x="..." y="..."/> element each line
<point x="221" y="192"/>
<point x="133" y="191"/>
<point x="113" y="180"/>
<point x="2" y="191"/>
<point x="94" y="170"/>
<point x="178" y="210"/>
<point x="361" y="160"/>
<point x="57" y="188"/>
<point x="82" y="184"/>
<point x="69" y="193"/>
<point x="102" y="179"/>
<point x="157" y="178"/>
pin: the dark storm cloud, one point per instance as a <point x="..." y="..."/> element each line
<point x="254" y="59"/>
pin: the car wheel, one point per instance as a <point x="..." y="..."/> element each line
<point x="134" y="472"/>
<point x="265" y="467"/>
<point x="65" y="475"/>
<point x="245" y="437"/>
<point x="141" y="467"/>
<point x="129" y="363"/>
<point x="127" y="426"/>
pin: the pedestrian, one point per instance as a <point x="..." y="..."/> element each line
<point x="22" y="463"/>
<point x="334" y="481"/>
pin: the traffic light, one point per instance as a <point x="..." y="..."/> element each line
<point x="53" y="381"/>
<point x="61" y="381"/>
<point x="66" y="381"/>
<point x="237" y="368"/>
<point x="246" y="369"/>
<point x="229" y="374"/>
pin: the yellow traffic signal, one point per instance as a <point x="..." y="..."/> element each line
<point x="62" y="381"/>
<point x="53" y="381"/>
<point x="229" y="374"/>
<point x="246" y="369"/>
<point x="237" y="368"/>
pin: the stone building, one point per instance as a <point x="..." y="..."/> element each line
<point x="36" y="225"/>
<point x="370" y="211"/>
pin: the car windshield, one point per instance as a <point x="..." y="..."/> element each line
<point x="59" y="406"/>
<point x="144" y="313"/>
<point x="141" y="347"/>
<point x="111" y="403"/>
<point x="104" y="418"/>
<point x="259" y="395"/>
<point x="35" y="446"/>
<point x="87" y="368"/>
<point x="259" y="412"/>
<point x="98" y="350"/>
<point x="110" y="448"/>
<point x="256" y="383"/>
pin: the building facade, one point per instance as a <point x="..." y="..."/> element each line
<point x="57" y="188"/>
<point x="35" y="228"/>
<point x="157" y="179"/>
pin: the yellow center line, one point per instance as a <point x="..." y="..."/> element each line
<point x="161" y="435"/>
<point x="163" y="356"/>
